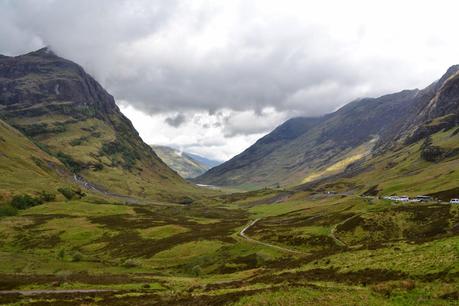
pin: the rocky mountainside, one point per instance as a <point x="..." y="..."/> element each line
<point x="68" y="114"/>
<point x="306" y="149"/>
<point x="184" y="163"/>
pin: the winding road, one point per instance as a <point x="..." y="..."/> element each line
<point x="252" y="223"/>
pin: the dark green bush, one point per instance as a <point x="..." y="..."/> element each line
<point x="130" y="263"/>
<point x="45" y="196"/>
<point x="77" y="256"/>
<point x="98" y="167"/>
<point x="196" y="270"/>
<point x="6" y="211"/>
<point x="24" y="201"/>
<point x="71" y="194"/>
<point x="61" y="254"/>
<point x="186" y="200"/>
<point x="78" y="141"/>
<point x="67" y="193"/>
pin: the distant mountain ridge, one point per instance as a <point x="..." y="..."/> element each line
<point x="187" y="165"/>
<point x="210" y="163"/>
<point x="68" y="114"/>
<point x="305" y="149"/>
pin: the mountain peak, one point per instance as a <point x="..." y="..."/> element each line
<point x="45" y="51"/>
<point x="450" y="72"/>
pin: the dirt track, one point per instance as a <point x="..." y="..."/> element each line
<point x="243" y="235"/>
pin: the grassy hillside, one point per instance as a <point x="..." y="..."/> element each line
<point x="70" y="116"/>
<point x="296" y="246"/>
<point x="24" y="167"/>
<point x="410" y="170"/>
<point x="182" y="162"/>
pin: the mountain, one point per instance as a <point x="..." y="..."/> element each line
<point x="303" y="150"/>
<point x="186" y="164"/>
<point x="24" y="166"/>
<point x="68" y="114"/>
<point x="209" y="163"/>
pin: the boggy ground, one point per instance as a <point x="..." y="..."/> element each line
<point x="350" y="250"/>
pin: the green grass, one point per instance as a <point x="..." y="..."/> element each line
<point x="186" y="251"/>
<point x="194" y="252"/>
<point x="78" y="208"/>
<point x="161" y="232"/>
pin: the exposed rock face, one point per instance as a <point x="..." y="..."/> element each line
<point x="68" y="113"/>
<point x="41" y="77"/>
<point x="306" y="146"/>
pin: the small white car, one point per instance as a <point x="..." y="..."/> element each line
<point x="454" y="201"/>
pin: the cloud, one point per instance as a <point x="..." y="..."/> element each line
<point x="244" y="57"/>
<point x="176" y="120"/>
<point x="250" y="122"/>
<point x="219" y="140"/>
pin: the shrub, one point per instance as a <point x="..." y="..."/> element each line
<point x="130" y="263"/>
<point x="61" y="254"/>
<point x="77" y="256"/>
<point x="80" y="194"/>
<point x="24" y="201"/>
<point x="186" y="200"/>
<point x="71" y="194"/>
<point x="7" y="211"/>
<point x="67" y="193"/>
<point x="98" y="167"/>
<point x="196" y="270"/>
<point x="45" y="196"/>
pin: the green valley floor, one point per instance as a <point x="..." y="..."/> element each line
<point x="267" y="247"/>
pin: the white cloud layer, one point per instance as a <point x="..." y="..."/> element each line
<point x="246" y="64"/>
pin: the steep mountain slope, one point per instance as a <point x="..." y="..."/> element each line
<point x="411" y="169"/>
<point x="182" y="162"/>
<point x="24" y="167"/>
<point x="68" y="114"/>
<point x="325" y="146"/>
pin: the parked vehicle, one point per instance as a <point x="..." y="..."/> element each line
<point x="397" y="198"/>
<point x="454" y="201"/>
<point x="423" y="198"/>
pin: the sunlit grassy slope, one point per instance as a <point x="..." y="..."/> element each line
<point x="404" y="171"/>
<point x="24" y="167"/>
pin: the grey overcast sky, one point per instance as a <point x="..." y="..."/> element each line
<point x="211" y="77"/>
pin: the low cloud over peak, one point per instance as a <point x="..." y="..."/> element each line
<point x="260" y="61"/>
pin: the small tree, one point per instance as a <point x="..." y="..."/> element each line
<point x="24" y="201"/>
<point x="45" y="196"/>
<point x="196" y="270"/>
<point x="77" y="256"/>
<point x="67" y="192"/>
<point x="7" y="211"/>
<point x="61" y="254"/>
